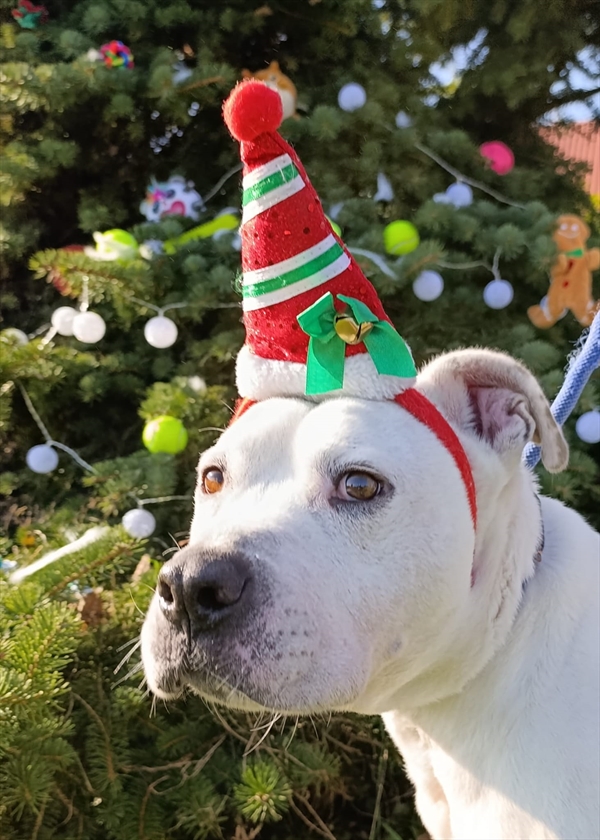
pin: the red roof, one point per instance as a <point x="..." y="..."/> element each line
<point x="579" y="142"/>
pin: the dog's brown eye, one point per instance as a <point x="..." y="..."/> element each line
<point x="359" y="486"/>
<point x="212" y="480"/>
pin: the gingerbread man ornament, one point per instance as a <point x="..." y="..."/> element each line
<point x="571" y="276"/>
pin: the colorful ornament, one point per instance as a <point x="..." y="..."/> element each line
<point x="385" y="191"/>
<point x="352" y="97"/>
<point x="459" y="194"/>
<point x="62" y="320"/>
<point x="139" y="523"/>
<point x="175" y="197"/>
<point x="429" y="285"/>
<point x="117" y="54"/>
<point x="160" y="332"/>
<point x="219" y="225"/>
<point x="403" y="120"/>
<point x="28" y="15"/>
<point x="113" y="245"/>
<point x="499" y="156"/>
<point x="12" y="335"/>
<point x="273" y="77"/>
<point x="570" y="277"/>
<point x="165" y="434"/>
<point x="588" y="427"/>
<point x="400" y="237"/>
<point x="498" y="293"/>
<point x="88" y="327"/>
<point x="42" y="459"/>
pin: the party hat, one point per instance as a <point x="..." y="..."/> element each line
<point x="314" y="323"/>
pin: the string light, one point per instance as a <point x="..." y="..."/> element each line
<point x="42" y="458"/>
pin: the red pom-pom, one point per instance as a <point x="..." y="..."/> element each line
<point x="252" y="109"/>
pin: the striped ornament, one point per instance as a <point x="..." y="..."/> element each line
<point x="289" y="278"/>
<point x="268" y="185"/>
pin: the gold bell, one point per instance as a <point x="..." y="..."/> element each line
<point x="349" y="331"/>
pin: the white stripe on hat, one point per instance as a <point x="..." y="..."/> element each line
<point x="288" y="292"/>
<point x="270" y="199"/>
<point x="270" y="271"/>
<point x="270" y="168"/>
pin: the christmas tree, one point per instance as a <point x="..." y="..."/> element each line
<point x="113" y="105"/>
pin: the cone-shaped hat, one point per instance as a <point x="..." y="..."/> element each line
<point x="314" y="323"/>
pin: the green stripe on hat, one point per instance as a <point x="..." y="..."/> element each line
<point x="271" y="182"/>
<point x="302" y="272"/>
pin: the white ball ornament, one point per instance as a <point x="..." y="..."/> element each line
<point x="428" y="286"/>
<point x="88" y="327"/>
<point x="460" y="195"/>
<point x="403" y="120"/>
<point x="42" y="458"/>
<point x="139" y="523"/>
<point x="352" y="97"/>
<point x="498" y="294"/>
<point x="12" y="335"/>
<point x="588" y="427"/>
<point x="62" y="320"/>
<point x="160" y="332"/>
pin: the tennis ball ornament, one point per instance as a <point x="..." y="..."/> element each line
<point x="400" y="237"/>
<point x="165" y="434"/>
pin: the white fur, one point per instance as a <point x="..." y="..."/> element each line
<point x="261" y="379"/>
<point x="484" y="666"/>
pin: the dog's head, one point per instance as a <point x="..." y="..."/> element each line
<point x="333" y="562"/>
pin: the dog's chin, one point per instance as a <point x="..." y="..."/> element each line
<point x="171" y="685"/>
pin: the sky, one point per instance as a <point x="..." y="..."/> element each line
<point x="579" y="80"/>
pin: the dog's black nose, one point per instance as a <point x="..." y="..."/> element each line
<point x="204" y="590"/>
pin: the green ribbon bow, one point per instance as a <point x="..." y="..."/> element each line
<point x="327" y="351"/>
<point x="577" y="252"/>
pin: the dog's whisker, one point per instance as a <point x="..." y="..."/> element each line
<point x="128" y="655"/>
<point x="135" y="670"/>
<point x="294" y="730"/>
<point x="270" y="726"/>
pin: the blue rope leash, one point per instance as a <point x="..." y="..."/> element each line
<point x="576" y="379"/>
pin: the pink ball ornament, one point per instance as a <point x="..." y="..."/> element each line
<point x="499" y="156"/>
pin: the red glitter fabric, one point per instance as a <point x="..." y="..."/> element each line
<point x="283" y="231"/>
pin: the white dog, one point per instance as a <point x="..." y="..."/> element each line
<point x="333" y="564"/>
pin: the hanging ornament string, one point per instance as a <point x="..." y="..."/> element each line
<point x="375" y="258"/>
<point x="465" y="179"/>
<point x="140" y="523"/>
<point x="580" y="369"/>
<point x="451" y="170"/>
<point x="50" y="442"/>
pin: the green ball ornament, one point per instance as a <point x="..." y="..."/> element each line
<point x="336" y="228"/>
<point x="165" y="434"/>
<point x="400" y="237"/>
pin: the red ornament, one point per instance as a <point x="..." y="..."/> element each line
<point x="58" y="280"/>
<point x="28" y="15"/>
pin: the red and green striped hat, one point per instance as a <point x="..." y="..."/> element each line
<point x="314" y="323"/>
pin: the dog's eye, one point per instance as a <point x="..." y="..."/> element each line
<point x="359" y="486"/>
<point x="212" y="480"/>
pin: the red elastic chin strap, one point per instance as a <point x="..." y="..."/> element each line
<point x="425" y="412"/>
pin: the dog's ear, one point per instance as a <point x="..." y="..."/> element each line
<point x="497" y="398"/>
